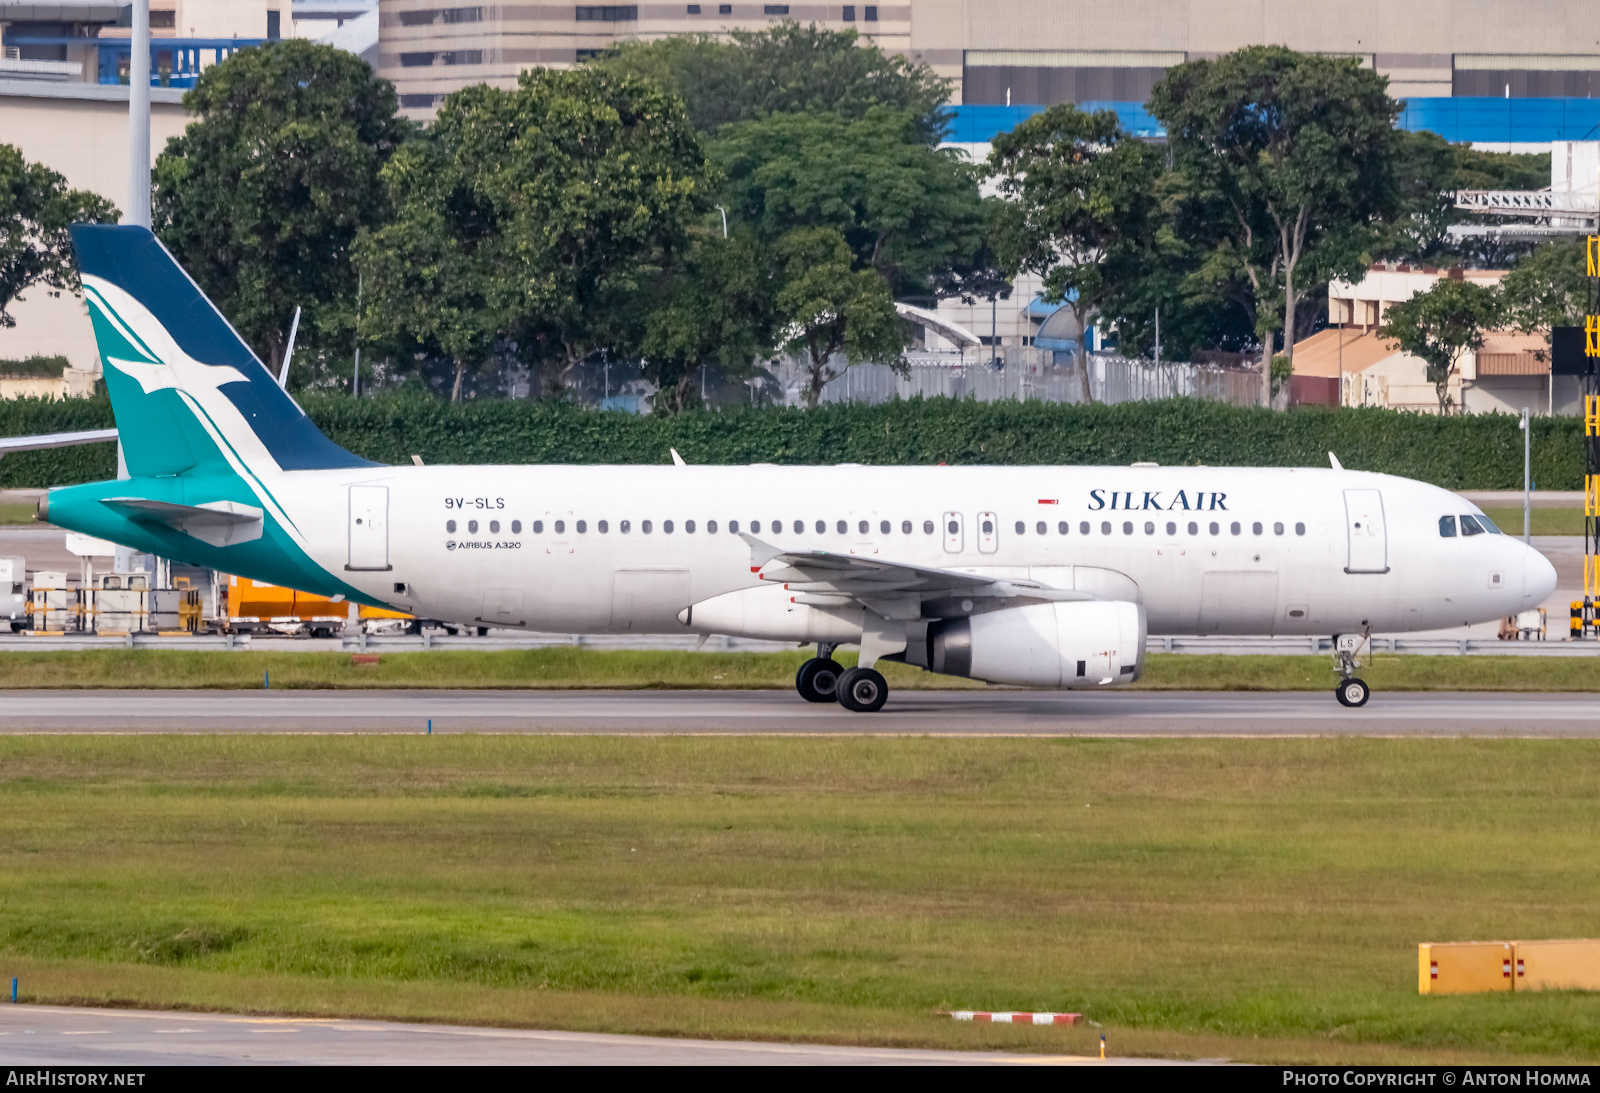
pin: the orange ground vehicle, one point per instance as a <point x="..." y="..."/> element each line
<point x="245" y="605"/>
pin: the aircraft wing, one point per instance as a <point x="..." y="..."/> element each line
<point x="220" y="523"/>
<point x="895" y="590"/>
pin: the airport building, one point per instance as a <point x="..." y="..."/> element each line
<point x="1489" y="71"/>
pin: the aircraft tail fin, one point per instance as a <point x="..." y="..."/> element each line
<point x="188" y="394"/>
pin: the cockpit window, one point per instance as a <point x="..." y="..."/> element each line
<point x="1470" y="526"/>
<point x="1447" y="527"/>
<point x="1488" y="524"/>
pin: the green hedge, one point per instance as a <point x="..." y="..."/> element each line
<point x="1478" y="452"/>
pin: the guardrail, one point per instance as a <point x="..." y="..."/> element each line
<point x="509" y="639"/>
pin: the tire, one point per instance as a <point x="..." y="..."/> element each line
<point x="1353" y="693"/>
<point x="862" y="690"/>
<point x="818" y="680"/>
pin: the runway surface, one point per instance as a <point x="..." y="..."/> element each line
<point x="129" y="1039"/>
<point x="934" y="713"/>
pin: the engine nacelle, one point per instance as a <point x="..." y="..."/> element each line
<point x="1081" y="644"/>
<point x="770" y="613"/>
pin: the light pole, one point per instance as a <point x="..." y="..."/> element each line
<point x="139" y="117"/>
<point x="1527" y="477"/>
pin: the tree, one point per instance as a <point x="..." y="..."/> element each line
<point x="717" y="308"/>
<point x="262" y="196"/>
<point x="908" y="211"/>
<point x="1441" y="325"/>
<point x="1296" y="149"/>
<point x="571" y="194"/>
<point x="785" y="69"/>
<point x="1079" y="201"/>
<point x="1549" y="287"/>
<point x="35" y="209"/>
<point x="1429" y="171"/>
<point x="826" y="306"/>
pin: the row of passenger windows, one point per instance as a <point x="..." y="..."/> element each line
<point x="864" y="527"/>
<point x="1470" y="525"/>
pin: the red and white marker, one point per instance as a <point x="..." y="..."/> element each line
<point x="1018" y="1018"/>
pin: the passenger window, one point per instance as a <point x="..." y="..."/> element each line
<point x="583" y="527"/>
<point x="883" y="527"/>
<point x="494" y="527"/>
<point x="988" y="527"/>
<point x="688" y="527"/>
<point x="472" y="527"/>
<point x="1127" y="527"/>
<point x="1234" y="528"/>
<point x="842" y="527"/>
<point x="644" y="526"/>
<point x="711" y="526"/>
<point x="1299" y="529"/>
<point x="905" y="527"/>
<point x="625" y="526"/>
<point x="954" y="528"/>
<point x="927" y="527"/>
<point x="602" y="526"/>
<point x="1470" y="526"/>
<point x="516" y="527"/>
<point x="1194" y="528"/>
<point x="1255" y="528"/>
<point x="822" y="527"/>
<point x="1042" y="528"/>
<point x="776" y="525"/>
<point x="1216" y="528"/>
<point x="755" y="527"/>
<point x="561" y="526"/>
<point x="450" y="526"/>
<point x="1149" y="527"/>
<point x="733" y="527"/>
<point x="538" y="527"/>
<point x="666" y="526"/>
<point x="1172" y="528"/>
<point x="1061" y="528"/>
<point x="799" y="527"/>
<point x="1083" y="527"/>
<point x="1277" y="529"/>
<point x="861" y="528"/>
<point x="1022" y="529"/>
<point x="1447" y="527"/>
<point x="1105" y="527"/>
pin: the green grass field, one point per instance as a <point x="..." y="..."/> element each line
<point x="1545" y="521"/>
<point x="1258" y="900"/>
<point x="575" y="667"/>
<point x="16" y="512"/>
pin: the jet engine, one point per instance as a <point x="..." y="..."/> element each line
<point x="1078" y="644"/>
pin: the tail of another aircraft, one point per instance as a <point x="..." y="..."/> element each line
<point x="189" y="396"/>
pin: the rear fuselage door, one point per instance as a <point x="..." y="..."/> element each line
<point x="1369" y="540"/>
<point x="954" y="540"/>
<point x="369" y="528"/>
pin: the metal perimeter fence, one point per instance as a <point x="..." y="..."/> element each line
<point x="1023" y="374"/>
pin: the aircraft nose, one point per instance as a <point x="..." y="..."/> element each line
<point x="1538" y="578"/>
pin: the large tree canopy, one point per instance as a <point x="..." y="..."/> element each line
<point x="785" y="69"/>
<point x="1295" y="151"/>
<point x="263" y="194"/>
<point x="557" y="204"/>
<point x="35" y="209"/>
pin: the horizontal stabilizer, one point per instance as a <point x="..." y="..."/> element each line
<point x="10" y="444"/>
<point x="220" y="523"/>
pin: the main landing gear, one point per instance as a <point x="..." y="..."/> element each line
<point x="859" y="690"/>
<point x="1351" y="692"/>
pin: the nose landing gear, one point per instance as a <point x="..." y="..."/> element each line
<point x="1351" y="692"/>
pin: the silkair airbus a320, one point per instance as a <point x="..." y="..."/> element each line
<point x="1038" y="576"/>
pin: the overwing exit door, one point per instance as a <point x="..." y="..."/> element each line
<point x="1369" y="540"/>
<point x="369" y="528"/>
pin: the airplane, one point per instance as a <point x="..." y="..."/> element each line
<point x="1049" y="577"/>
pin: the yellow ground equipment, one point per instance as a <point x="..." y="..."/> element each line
<point x="256" y="605"/>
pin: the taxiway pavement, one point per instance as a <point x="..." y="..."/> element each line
<point x="126" y="1040"/>
<point x="933" y="713"/>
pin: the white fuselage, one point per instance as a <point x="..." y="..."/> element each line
<point x="626" y="548"/>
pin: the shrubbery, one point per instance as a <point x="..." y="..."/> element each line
<point x="1459" y="452"/>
